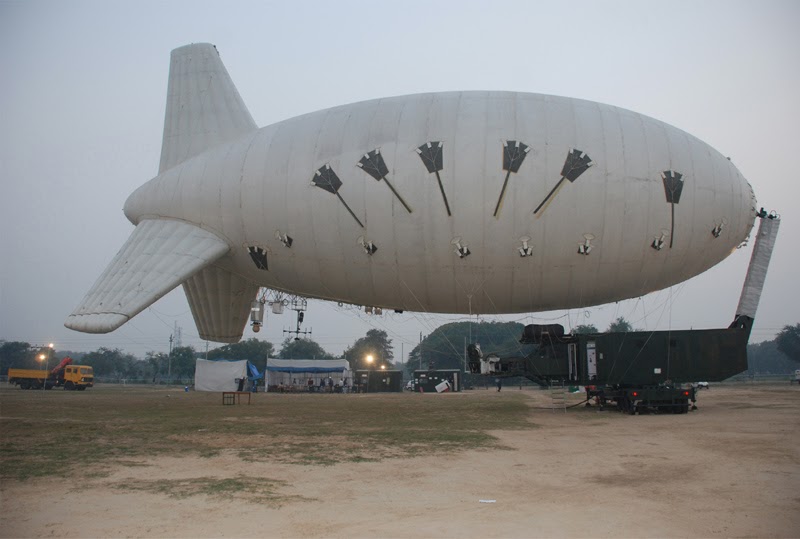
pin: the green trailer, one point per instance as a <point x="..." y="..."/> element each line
<point x="641" y="370"/>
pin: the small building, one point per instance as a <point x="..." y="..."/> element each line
<point x="378" y="381"/>
<point x="427" y="380"/>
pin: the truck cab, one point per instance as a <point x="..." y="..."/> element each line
<point x="77" y="377"/>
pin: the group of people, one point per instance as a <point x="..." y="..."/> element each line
<point x="327" y="385"/>
<point x="324" y="385"/>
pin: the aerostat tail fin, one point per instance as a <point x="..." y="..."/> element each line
<point x="204" y="109"/>
<point x="220" y="303"/>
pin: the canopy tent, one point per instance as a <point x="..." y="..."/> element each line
<point x="288" y="371"/>
<point x="315" y="366"/>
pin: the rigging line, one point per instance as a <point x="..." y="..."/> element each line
<point x="446" y="338"/>
<point x="422" y="307"/>
<point x="505" y="328"/>
<point x="134" y="326"/>
<point x="159" y="317"/>
<point x="616" y="311"/>
<point x="169" y="315"/>
<point x="532" y="318"/>
<point x="632" y="310"/>
<point x="668" y="299"/>
<point x="622" y="343"/>
<point x="643" y="347"/>
<point x="669" y="319"/>
<point x="396" y="336"/>
<point x="435" y="349"/>
<point x="372" y="321"/>
<point x="423" y="320"/>
<point x="432" y="329"/>
<point x="644" y="317"/>
<point x="131" y="340"/>
<point x="477" y="285"/>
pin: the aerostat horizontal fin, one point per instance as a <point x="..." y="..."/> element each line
<point x="158" y="256"/>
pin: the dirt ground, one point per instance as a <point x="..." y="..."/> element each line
<point x="730" y="469"/>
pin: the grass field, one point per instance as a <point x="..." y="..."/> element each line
<point x="84" y="434"/>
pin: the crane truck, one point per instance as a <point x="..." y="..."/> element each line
<point x="65" y="374"/>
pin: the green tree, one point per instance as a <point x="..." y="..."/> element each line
<point x="766" y="358"/>
<point x="444" y="348"/>
<point x="585" y="328"/>
<point x="377" y="344"/>
<point x="302" y="349"/>
<point x="77" y="357"/>
<point x="181" y="363"/>
<point x="789" y="341"/>
<point x="111" y="363"/>
<point x="251" y="349"/>
<point x="156" y="365"/>
<point x="620" y="325"/>
<point x="16" y="355"/>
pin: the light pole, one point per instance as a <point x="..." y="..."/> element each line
<point x="370" y="359"/>
<point x="45" y="357"/>
<point x="169" y="361"/>
<point x="420" y="350"/>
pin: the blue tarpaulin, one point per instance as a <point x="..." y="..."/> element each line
<point x="252" y="372"/>
<point x="311" y="366"/>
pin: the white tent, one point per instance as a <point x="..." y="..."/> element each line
<point x="218" y="375"/>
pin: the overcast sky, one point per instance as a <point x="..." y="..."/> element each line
<point x="83" y="89"/>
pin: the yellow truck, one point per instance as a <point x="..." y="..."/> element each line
<point x="70" y="377"/>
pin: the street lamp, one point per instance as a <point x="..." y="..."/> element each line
<point x="383" y="367"/>
<point x="46" y="359"/>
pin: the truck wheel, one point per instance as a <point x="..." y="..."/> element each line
<point x="25" y="384"/>
<point x="69" y="386"/>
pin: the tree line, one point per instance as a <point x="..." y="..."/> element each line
<point x="443" y="348"/>
<point x="178" y="365"/>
